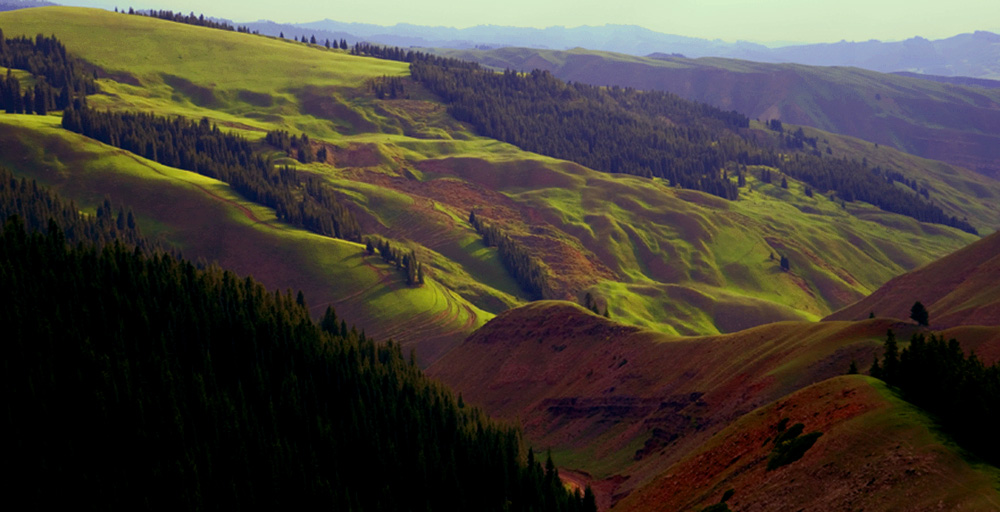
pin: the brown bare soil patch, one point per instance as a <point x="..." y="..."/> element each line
<point x="571" y="269"/>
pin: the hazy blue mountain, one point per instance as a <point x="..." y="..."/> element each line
<point x="13" y="5"/>
<point x="973" y="55"/>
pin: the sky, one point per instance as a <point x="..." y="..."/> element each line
<point x="804" y="21"/>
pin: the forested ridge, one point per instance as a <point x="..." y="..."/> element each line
<point x="645" y="133"/>
<point x="961" y="391"/>
<point x="527" y="270"/>
<point x="298" y="198"/>
<point x="35" y="205"/>
<point x="135" y="380"/>
<point x="59" y="78"/>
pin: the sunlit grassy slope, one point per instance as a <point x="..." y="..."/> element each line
<point x="678" y="261"/>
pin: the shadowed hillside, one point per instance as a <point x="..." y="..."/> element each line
<point x="675" y="260"/>
<point x="952" y="123"/>
<point x="959" y="289"/>
<point x="620" y="405"/>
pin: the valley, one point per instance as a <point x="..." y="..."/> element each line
<point x="716" y="319"/>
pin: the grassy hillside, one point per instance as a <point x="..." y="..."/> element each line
<point x="623" y="405"/>
<point x="206" y="219"/>
<point x="955" y="289"/>
<point x="678" y="261"/>
<point x="905" y="462"/>
<point x="952" y="123"/>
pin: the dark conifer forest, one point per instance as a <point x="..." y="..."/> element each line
<point x="135" y="380"/>
<point x="298" y="198"/>
<point x="527" y="270"/>
<point x="645" y="133"/>
<point x="59" y="77"/>
<point x="961" y="391"/>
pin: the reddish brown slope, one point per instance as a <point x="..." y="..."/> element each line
<point x="876" y="453"/>
<point x="630" y="402"/>
<point x="962" y="288"/>
<point x="619" y="405"/>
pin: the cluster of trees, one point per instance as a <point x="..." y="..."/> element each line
<point x="342" y="44"/>
<point x="789" y="444"/>
<point x="190" y="19"/>
<point x="621" y="130"/>
<point x="136" y="380"/>
<point x="59" y="78"/>
<point x="300" y="199"/>
<point x="894" y="176"/>
<point x="408" y="55"/>
<point x="36" y="206"/>
<point x="527" y="270"/>
<point x="406" y="262"/>
<point x="961" y="391"/>
<point x="388" y="87"/>
<point x="853" y="181"/>
<point x="297" y="147"/>
<point x="608" y="129"/>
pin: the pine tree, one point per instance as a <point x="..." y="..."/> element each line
<point x="875" y="370"/>
<point x="890" y="359"/>
<point x="919" y="314"/>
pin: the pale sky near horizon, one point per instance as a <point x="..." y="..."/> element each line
<point x="806" y="21"/>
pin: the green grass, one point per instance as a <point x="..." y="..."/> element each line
<point x="206" y="219"/>
<point x="678" y="261"/>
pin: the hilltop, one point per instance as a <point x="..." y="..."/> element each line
<point x="676" y="260"/>
<point x="710" y="267"/>
<point x="956" y="290"/>
<point x="625" y="408"/>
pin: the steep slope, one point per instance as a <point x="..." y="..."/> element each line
<point x="876" y="452"/>
<point x="621" y="405"/>
<point x="206" y="219"/>
<point x="676" y="260"/>
<point x="951" y="123"/>
<point x="959" y="289"/>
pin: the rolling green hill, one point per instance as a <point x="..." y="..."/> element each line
<point x="625" y="401"/>
<point x="675" y="260"/>
<point x="951" y="123"/>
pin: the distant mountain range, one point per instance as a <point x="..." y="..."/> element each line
<point x="12" y="5"/>
<point x="972" y="55"/>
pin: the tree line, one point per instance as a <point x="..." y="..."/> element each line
<point x="136" y="380"/>
<point x="959" y="390"/>
<point x="527" y="270"/>
<point x="59" y="78"/>
<point x="299" y="198"/>
<point x="35" y="205"/>
<point x="621" y="130"/>
<point x="853" y="181"/>
<point x="297" y="147"/>
<point x="190" y="19"/>
<point x="405" y="262"/>
<point x="607" y="129"/>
